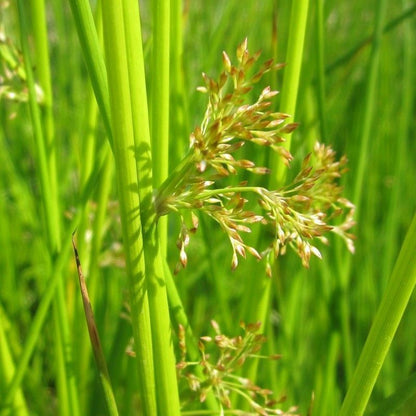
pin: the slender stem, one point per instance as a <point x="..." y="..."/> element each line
<point x="159" y="114"/>
<point x="93" y="274"/>
<point x="259" y="285"/>
<point x="179" y="317"/>
<point x="7" y="369"/>
<point x="46" y="169"/>
<point x="360" y="177"/>
<point x="179" y="115"/>
<point x="40" y="35"/>
<point x="406" y="116"/>
<point x="95" y="338"/>
<point x="290" y="86"/>
<point x="93" y="56"/>
<point x="37" y="323"/>
<point x="369" y="108"/>
<point x="320" y="35"/>
<point x="42" y="311"/>
<point x="392" y="24"/>
<point x="386" y="321"/>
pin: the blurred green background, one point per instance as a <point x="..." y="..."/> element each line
<point x="354" y="94"/>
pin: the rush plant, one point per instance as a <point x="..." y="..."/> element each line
<point x="104" y="133"/>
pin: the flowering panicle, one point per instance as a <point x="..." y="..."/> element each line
<point x="221" y="358"/>
<point x="305" y="210"/>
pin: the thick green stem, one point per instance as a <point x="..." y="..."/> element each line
<point x="164" y="359"/>
<point x="125" y="158"/>
<point x="386" y="321"/>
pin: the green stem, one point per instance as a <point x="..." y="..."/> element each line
<point x="406" y="117"/>
<point x="160" y="95"/>
<point x="320" y="35"/>
<point x="42" y="311"/>
<point x="95" y="339"/>
<point x="40" y="36"/>
<point x="179" y="317"/>
<point x="369" y="106"/>
<point x="127" y="180"/>
<point x="259" y="285"/>
<point x="43" y="128"/>
<point x="386" y="321"/>
<point x="290" y="85"/>
<point x="178" y="117"/>
<point x="392" y="24"/>
<point x="164" y="359"/>
<point x="7" y="369"/>
<point x="93" y="274"/>
<point x="37" y="323"/>
<point x="360" y="177"/>
<point x="93" y="56"/>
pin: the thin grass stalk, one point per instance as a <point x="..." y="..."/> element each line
<point x="259" y="286"/>
<point x="90" y="144"/>
<point x="95" y="339"/>
<point x="325" y="395"/>
<point x="370" y="102"/>
<point x="94" y="60"/>
<point x="9" y="283"/>
<point x="47" y="174"/>
<point x="160" y="99"/>
<point x="385" y="324"/>
<point x="61" y="377"/>
<point x="394" y="403"/>
<point x="388" y="27"/>
<point x="87" y="154"/>
<point x="320" y="56"/>
<point x="41" y="314"/>
<point x="7" y="369"/>
<point x="406" y="111"/>
<point x="408" y="92"/>
<point x="344" y="262"/>
<point x="84" y="349"/>
<point x="216" y="273"/>
<point x="41" y="45"/>
<point x="124" y="147"/>
<point x="260" y="289"/>
<point x="18" y="188"/>
<point x="178" y="117"/>
<point x="164" y="364"/>
<point x="37" y="322"/>
<point x="294" y="56"/>
<point x="179" y="317"/>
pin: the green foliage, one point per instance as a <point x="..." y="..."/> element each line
<point x="355" y="95"/>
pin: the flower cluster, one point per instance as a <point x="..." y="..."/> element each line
<point x="297" y="214"/>
<point x="221" y="358"/>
